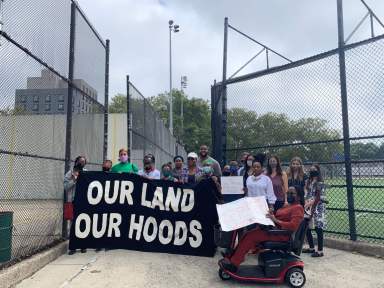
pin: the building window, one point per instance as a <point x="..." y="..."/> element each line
<point x="73" y="100"/>
<point x="83" y="105"/>
<point x="78" y="104"/>
<point x="47" y="107"/>
<point x="60" y="107"/>
<point x="23" y="98"/>
<point x="35" y="107"/>
<point x="73" y="109"/>
<point x="47" y="98"/>
<point x="61" y="98"/>
<point x="35" y="98"/>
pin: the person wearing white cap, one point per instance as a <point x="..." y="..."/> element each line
<point x="191" y="174"/>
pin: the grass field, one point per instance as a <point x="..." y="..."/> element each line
<point x="368" y="195"/>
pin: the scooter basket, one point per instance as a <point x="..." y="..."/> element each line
<point x="222" y="239"/>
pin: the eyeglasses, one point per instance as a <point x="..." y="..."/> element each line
<point x="190" y="158"/>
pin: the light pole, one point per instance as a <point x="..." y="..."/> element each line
<point x="172" y="28"/>
<point x="183" y="85"/>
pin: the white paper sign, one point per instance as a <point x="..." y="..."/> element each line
<point x="243" y="212"/>
<point x="232" y="185"/>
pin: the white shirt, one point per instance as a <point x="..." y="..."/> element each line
<point x="261" y="186"/>
<point x="153" y="174"/>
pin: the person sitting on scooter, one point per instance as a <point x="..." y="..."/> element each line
<point x="287" y="218"/>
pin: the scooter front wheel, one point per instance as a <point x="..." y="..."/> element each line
<point x="295" y="277"/>
<point x="224" y="275"/>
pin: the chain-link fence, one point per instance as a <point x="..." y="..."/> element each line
<point x="296" y="110"/>
<point x="148" y="133"/>
<point x="53" y="77"/>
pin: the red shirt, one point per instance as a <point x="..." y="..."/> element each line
<point x="290" y="217"/>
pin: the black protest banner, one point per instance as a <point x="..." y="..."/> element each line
<point x="126" y="211"/>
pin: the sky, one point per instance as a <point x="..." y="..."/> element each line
<point x="138" y="31"/>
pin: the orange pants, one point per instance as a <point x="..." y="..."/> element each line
<point x="251" y="240"/>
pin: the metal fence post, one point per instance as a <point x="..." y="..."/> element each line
<point x="346" y="138"/>
<point x="68" y="131"/>
<point x="216" y="123"/>
<point x="224" y="96"/>
<point x="145" y="128"/>
<point x="129" y="128"/>
<point x="106" y="100"/>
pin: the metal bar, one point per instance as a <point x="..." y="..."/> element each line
<point x="222" y="161"/>
<point x="181" y="108"/>
<point x="372" y="26"/>
<point x="266" y="55"/>
<point x="89" y="23"/>
<point x="300" y="62"/>
<point x="145" y="129"/>
<point x="41" y="62"/>
<point x="106" y="100"/>
<point x="373" y="13"/>
<point x="336" y="232"/>
<point x="287" y="145"/>
<point x="68" y="131"/>
<point x="344" y="108"/>
<point x="266" y="47"/>
<point x="249" y="61"/>
<point x="170" y="82"/>
<point x="308" y="143"/>
<point x="357" y="27"/>
<point x="371" y="237"/>
<point x="30" y="155"/>
<point x="29" y="53"/>
<point x="368" y="161"/>
<point x="356" y="210"/>
<point x="129" y="119"/>
<point x="213" y="121"/>
<point x="368" y="186"/>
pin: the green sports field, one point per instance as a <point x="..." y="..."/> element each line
<point x="369" y="206"/>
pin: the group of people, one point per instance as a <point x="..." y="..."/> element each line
<point x="291" y="194"/>
<point x="282" y="189"/>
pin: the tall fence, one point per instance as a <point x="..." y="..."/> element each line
<point x="53" y="99"/>
<point x="147" y="131"/>
<point x="301" y="109"/>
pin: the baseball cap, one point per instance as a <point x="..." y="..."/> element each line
<point x="192" y="154"/>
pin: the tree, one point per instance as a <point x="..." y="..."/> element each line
<point x="118" y="104"/>
<point x="246" y="129"/>
<point x="364" y="151"/>
<point x="197" y="118"/>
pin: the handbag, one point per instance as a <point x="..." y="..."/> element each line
<point x="68" y="211"/>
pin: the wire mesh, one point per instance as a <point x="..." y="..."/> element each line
<point x="34" y="57"/>
<point x="149" y="133"/>
<point x="295" y="110"/>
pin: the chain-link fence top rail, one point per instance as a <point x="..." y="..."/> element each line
<point x="149" y="133"/>
<point x="34" y="57"/>
<point x="295" y="110"/>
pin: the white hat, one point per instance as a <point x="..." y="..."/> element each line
<point x="192" y="154"/>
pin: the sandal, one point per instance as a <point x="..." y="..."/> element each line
<point x="308" y="250"/>
<point x="317" y="254"/>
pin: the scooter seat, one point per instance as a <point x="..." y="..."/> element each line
<point x="276" y="245"/>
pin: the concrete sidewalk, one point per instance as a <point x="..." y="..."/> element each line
<point x="123" y="268"/>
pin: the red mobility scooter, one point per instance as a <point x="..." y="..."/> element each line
<point x="277" y="263"/>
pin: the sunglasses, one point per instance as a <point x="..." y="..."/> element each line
<point x="190" y="158"/>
